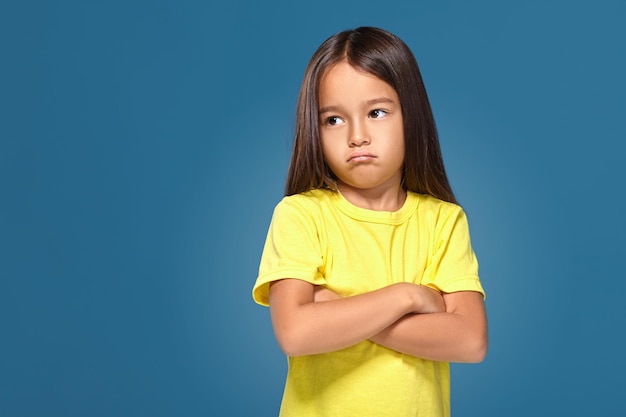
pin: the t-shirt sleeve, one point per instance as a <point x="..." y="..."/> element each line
<point x="453" y="265"/>
<point x="292" y="249"/>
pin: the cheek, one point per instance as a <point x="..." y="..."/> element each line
<point x="400" y="145"/>
<point x="324" y="146"/>
<point x="399" y="150"/>
<point x="328" y="149"/>
<point x="328" y="156"/>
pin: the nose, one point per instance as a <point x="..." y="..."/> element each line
<point x="359" y="135"/>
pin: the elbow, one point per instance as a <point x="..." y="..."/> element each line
<point x="291" y="352"/>
<point x="291" y="342"/>
<point x="476" y="349"/>
<point x="291" y="346"/>
<point x="288" y="347"/>
<point x="477" y="354"/>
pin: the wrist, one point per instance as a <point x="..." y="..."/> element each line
<point x="431" y="300"/>
<point x="409" y="296"/>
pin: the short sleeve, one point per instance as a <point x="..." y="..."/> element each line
<point x="292" y="248"/>
<point x="452" y="265"/>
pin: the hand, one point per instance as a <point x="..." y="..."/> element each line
<point x="425" y="299"/>
<point x="429" y="300"/>
<point x="324" y="294"/>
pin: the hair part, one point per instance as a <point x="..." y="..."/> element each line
<point x="384" y="55"/>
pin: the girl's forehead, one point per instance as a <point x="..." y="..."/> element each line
<point x="343" y="81"/>
<point x="342" y="67"/>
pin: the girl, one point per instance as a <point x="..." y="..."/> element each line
<point x="368" y="269"/>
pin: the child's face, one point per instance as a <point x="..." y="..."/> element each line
<point x="361" y="129"/>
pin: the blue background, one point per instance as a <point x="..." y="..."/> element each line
<point x="143" y="146"/>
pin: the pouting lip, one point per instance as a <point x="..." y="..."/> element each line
<point x="359" y="154"/>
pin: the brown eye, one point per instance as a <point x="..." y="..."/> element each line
<point x="377" y="114"/>
<point x="334" y="121"/>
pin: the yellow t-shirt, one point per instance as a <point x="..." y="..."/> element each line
<point x="321" y="238"/>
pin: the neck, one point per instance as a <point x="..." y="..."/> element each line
<point x="379" y="199"/>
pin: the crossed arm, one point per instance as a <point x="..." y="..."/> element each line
<point x="405" y="317"/>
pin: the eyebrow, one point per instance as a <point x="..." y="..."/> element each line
<point x="377" y="100"/>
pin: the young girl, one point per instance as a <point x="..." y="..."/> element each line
<point x="368" y="269"/>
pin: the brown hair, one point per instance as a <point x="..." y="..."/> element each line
<point x="386" y="56"/>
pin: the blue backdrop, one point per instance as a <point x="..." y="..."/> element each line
<point x="143" y="146"/>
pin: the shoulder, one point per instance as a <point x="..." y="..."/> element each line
<point x="441" y="217"/>
<point x="299" y="218"/>
<point x="308" y="201"/>
<point x="434" y="207"/>
<point x="307" y="209"/>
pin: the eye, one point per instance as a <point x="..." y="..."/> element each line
<point x="377" y="114"/>
<point x="333" y="121"/>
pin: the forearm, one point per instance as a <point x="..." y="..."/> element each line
<point x="305" y="327"/>
<point x="457" y="335"/>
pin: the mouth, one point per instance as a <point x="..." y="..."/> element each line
<point x="360" y="156"/>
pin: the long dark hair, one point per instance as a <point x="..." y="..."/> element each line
<point x="387" y="57"/>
